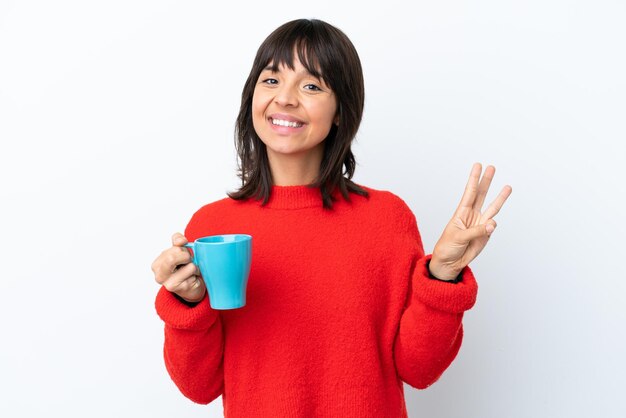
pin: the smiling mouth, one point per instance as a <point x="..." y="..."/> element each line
<point x="289" y="124"/>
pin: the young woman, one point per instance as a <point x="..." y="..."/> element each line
<point x="343" y="305"/>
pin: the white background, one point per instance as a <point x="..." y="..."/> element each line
<point x="116" y="124"/>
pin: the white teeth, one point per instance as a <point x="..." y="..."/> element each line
<point x="286" y="123"/>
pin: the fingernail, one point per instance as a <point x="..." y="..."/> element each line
<point x="490" y="228"/>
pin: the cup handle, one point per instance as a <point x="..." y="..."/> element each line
<point x="192" y="246"/>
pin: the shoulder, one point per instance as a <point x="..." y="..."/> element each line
<point x="393" y="214"/>
<point x="216" y="206"/>
<point x="212" y="215"/>
<point x="387" y="200"/>
<point x="389" y="204"/>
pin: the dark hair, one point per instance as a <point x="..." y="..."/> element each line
<point x="326" y="53"/>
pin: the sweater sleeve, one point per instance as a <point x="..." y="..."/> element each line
<point x="431" y="327"/>
<point x="193" y="347"/>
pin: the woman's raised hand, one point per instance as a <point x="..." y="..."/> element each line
<point x="469" y="230"/>
<point x="174" y="270"/>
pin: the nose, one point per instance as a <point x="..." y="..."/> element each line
<point x="286" y="96"/>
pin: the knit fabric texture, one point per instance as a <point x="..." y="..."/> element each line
<point x="340" y="310"/>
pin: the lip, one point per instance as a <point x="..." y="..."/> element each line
<point x="284" y="130"/>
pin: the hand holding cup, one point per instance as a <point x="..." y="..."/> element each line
<point x="174" y="269"/>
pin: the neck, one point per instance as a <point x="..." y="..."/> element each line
<point x="294" y="170"/>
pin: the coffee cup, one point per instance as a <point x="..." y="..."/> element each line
<point x="224" y="262"/>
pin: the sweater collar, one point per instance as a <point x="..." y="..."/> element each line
<point x="296" y="197"/>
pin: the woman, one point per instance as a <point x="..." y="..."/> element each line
<point x="342" y="303"/>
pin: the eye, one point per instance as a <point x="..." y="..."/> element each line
<point x="312" y="87"/>
<point x="270" y="81"/>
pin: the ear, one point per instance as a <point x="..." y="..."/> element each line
<point x="336" y="120"/>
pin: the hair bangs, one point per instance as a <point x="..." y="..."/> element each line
<point x="303" y="45"/>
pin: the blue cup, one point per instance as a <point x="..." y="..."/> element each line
<point x="224" y="262"/>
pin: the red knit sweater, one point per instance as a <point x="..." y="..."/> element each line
<point x="340" y="311"/>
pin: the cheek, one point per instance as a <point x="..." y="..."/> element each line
<point x="260" y="100"/>
<point x="255" y="105"/>
<point x="325" y="112"/>
<point x="258" y="111"/>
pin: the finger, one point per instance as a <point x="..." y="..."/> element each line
<point x="170" y="261"/>
<point x="178" y="239"/>
<point x="483" y="187"/>
<point x="191" y="284"/>
<point x="471" y="188"/>
<point x="187" y="284"/>
<point x="176" y="281"/>
<point x="181" y="257"/>
<point x="496" y="205"/>
<point x="478" y="231"/>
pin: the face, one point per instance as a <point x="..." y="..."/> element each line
<point x="292" y="112"/>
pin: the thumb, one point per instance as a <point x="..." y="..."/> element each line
<point x="482" y="230"/>
<point x="178" y="239"/>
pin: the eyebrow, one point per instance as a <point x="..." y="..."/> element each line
<point x="305" y="71"/>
